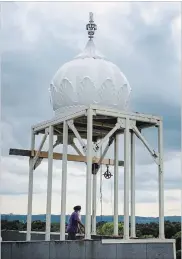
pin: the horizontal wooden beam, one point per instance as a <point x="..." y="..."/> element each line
<point x="58" y="156"/>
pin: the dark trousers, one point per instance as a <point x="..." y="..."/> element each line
<point x="71" y="236"/>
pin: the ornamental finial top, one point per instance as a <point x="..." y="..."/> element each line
<point x="91" y="26"/>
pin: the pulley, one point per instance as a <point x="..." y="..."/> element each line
<point x="107" y="173"/>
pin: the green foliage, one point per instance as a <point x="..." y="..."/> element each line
<point x="148" y="230"/>
<point x="178" y="254"/>
<point x="12" y="225"/>
<point x="100" y="224"/>
<point x="177" y="236"/>
<point x="38" y="225"/>
<point x="108" y="229"/>
<point x="147" y="236"/>
<point x="171" y="228"/>
<point x="151" y="229"/>
<point x="55" y="227"/>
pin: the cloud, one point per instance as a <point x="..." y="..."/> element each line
<point x="15" y="170"/>
<point x="143" y="39"/>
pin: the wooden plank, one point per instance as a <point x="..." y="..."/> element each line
<point x="19" y="152"/>
<point x="58" y="156"/>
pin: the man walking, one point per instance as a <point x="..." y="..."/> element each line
<point x="74" y="223"/>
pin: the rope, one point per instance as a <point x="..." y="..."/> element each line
<point x="101" y="185"/>
<point x="111" y="199"/>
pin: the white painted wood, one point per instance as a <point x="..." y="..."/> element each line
<point x="89" y="174"/>
<point x="137" y="115"/>
<point x="131" y="119"/>
<point x="138" y="241"/>
<point x="49" y="185"/>
<point x="94" y="203"/>
<point x="30" y="190"/>
<point x="111" y="132"/>
<point x="78" y="111"/>
<point x="126" y="179"/>
<point x="133" y="223"/>
<point x="116" y="184"/>
<point x="144" y="141"/>
<point x="77" y="135"/>
<point x="161" y="181"/>
<point x="39" y="149"/>
<point x="64" y="181"/>
<point x="59" y="119"/>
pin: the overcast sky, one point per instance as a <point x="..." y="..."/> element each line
<point x="143" y="39"/>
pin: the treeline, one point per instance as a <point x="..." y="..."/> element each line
<point x="148" y="230"/>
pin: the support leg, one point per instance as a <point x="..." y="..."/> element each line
<point x="161" y="181"/>
<point x="49" y="185"/>
<point x="64" y="182"/>
<point x="94" y="203"/>
<point x="126" y="179"/>
<point x="116" y="185"/>
<point x="89" y="173"/>
<point x="133" y="224"/>
<point x="30" y="190"/>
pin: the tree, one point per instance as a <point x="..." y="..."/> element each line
<point x="108" y="229"/>
<point x="12" y="225"/>
<point x="38" y="225"/>
<point x="170" y="229"/>
<point x="147" y="236"/>
<point x="178" y="254"/>
<point x="177" y="236"/>
<point x="55" y="227"/>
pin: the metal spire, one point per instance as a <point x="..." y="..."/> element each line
<point x="91" y="26"/>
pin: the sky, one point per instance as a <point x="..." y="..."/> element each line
<point x="143" y="39"/>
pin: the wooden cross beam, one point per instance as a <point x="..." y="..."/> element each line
<point x="58" y="156"/>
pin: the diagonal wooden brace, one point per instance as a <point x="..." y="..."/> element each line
<point x="111" y="139"/>
<point x="77" y="135"/>
<point x="39" y="160"/>
<point x="76" y="149"/>
<point x="110" y="134"/>
<point x="151" y="151"/>
<point x="40" y="148"/>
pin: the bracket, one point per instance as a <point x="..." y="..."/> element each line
<point x="154" y="154"/>
<point x="93" y="112"/>
<point x="39" y="160"/>
<point x="77" y="135"/>
<point x="119" y="124"/>
<point x="40" y="147"/>
<point x="132" y="124"/>
<point x="111" y="139"/>
<point x="96" y="169"/>
<point x="76" y="148"/>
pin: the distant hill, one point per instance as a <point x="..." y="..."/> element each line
<point x="56" y="218"/>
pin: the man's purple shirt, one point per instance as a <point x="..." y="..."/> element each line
<point x="73" y="223"/>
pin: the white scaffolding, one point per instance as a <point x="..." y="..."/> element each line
<point x="97" y="125"/>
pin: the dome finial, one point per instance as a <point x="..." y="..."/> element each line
<point x="91" y="26"/>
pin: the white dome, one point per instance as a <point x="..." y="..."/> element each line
<point x="89" y="79"/>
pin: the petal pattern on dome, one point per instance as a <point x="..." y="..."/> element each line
<point x="120" y="97"/>
<point x="55" y="97"/>
<point x="123" y="96"/>
<point x="107" y="93"/>
<point x="87" y="92"/>
<point x="127" y="92"/>
<point x="66" y="91"/>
